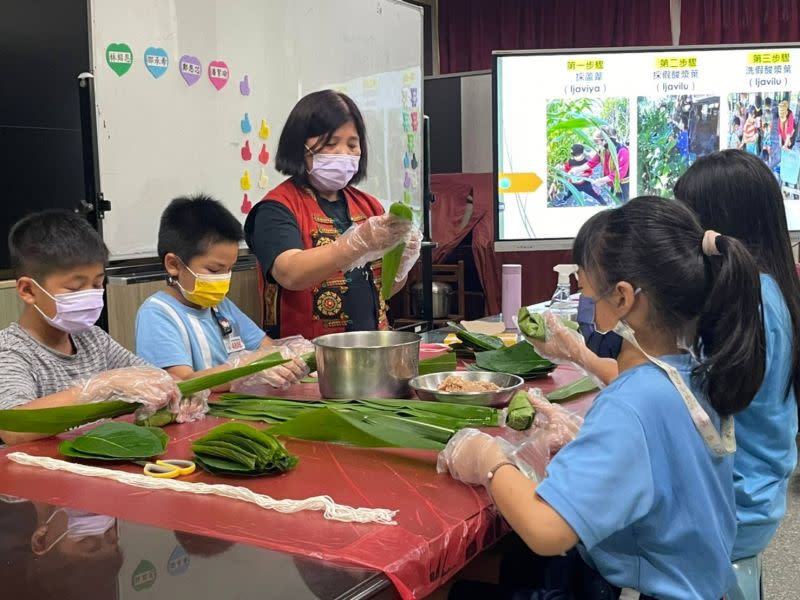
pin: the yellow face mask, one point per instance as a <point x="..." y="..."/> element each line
<point x="209" y="290"/>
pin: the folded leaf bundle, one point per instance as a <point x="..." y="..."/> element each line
<point x="520" y="359"/>
<point x="364" y="429"/>
<point x="241" y="450"/>
<point x="438" y="364"/>
<point x="116" y="441"/>
<point x="391" y="260"/>
<point x="520" y="412"/>
<point x="584" y="385"/>
<point x="278" y="410"/>
<point x="476" y="342"/>
<point x="51" y="421"/>
<point x="532" y="324"/>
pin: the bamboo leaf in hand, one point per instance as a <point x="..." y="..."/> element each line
<point x="584" y="385"/>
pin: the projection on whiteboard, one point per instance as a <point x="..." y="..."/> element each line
<point x="580" y="133"/>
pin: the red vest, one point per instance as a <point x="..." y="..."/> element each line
<point x="318" y="310"/>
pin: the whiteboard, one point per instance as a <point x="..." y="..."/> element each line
<point x="165" y="130"/>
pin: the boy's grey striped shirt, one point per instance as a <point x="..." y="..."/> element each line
<point x="30" y="370"/>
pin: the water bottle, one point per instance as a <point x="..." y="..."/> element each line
<point x="512" y="294"/>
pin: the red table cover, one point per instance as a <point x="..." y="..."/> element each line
<point x="442" y="524"/>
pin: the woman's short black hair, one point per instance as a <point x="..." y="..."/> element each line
<point x="318" y="114"/>
<point x="191" y="224"/>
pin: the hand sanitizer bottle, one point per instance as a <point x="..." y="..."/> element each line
<point x="561" y="303"/>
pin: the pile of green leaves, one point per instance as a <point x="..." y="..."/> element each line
<point x="520" y="359"/>
<point x="532" y="324"/>
<point x="362" y="423"/>
<point x="241" y="450"/>
<point x="116" y="441"/>
<point x="63" y="418"/>
<point x="471" y="343"/>
<point x="278" y="410"/>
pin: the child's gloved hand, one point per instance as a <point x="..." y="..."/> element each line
<point x="469" y="457"/>
<point x="152" y="388"/>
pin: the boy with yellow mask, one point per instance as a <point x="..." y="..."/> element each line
<point x="191" y="327"/>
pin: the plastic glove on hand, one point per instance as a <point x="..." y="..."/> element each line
<point x="561" y="344"/>
<point x="291" y="347"/>
<point x="192" y="408"/>
<point x="152" y="388"/>
<point x="369" y="241"/>
<point x="469" y="457"/>
<point x="560" y="424"/>
<point x="280" y="377"/>
<point x="410" y="255"/>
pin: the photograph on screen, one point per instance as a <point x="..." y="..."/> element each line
<point x="587" y="152"/>
<point x="673" y="132"/>
<point x="764" y="124"/>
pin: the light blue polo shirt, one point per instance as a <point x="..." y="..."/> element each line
<point x="765" y="435"/>
<point x="653" y="507"/>
<point x="169" y="333"/>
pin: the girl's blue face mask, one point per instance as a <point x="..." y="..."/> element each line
<point x="587" y="310"/>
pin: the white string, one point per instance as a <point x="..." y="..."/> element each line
<point x="331" y="510"/>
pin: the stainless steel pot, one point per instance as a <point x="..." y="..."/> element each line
<point x="367" y="364"/>
<point x="442" y="294"/>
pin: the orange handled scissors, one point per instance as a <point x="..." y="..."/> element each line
<point x="169" y="468"/>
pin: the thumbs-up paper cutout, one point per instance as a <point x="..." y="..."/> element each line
<point x="245" y="123"/>
<point x="244" y="86"/>
<point x="263" y="131"/>
<point x="246" y="205"/>
<point x="406" y="161"/>
<point x="414" y="161"/>
<point x="263" y="180"/>
<point x="246" y="154"/>
<point x="263" y="156"/>
<point x="245" y="180"/>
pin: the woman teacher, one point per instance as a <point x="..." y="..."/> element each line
<point x="318" y="239"/>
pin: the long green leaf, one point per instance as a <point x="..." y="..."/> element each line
<point x="62" y="418"/>
<point x="438" y="364"/>
<point x="584" y="385"/>
<point x="392" y="258"/>
<point x="206" y="382"/>
<point x="373" y="430"/>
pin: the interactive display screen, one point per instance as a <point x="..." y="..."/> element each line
<point x="576" y="133"/>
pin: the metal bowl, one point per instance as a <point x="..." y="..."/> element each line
<point x="367" y="364"/>
<point x="425" y="386"/>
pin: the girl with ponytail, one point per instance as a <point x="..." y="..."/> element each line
<point x="735" y="193"/>
<point x="645" y="490"/>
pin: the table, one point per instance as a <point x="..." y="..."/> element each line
<point x="150" y="563"/>
<point x="442" y="524"/>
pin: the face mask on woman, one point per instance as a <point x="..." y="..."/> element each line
<point x="332" y="172"/>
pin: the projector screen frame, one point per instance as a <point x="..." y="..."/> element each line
<point x="532" y="245"/>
